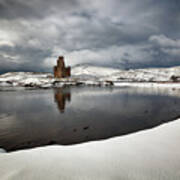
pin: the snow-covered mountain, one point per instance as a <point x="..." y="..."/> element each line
<point x="91" y="75"/>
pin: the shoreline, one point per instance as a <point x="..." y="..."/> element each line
<point x="89" y="83"/>
<point x="46" y="81"/>
<point x="148" y="84"/>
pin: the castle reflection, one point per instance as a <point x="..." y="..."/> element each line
<point x="62" y="95"/>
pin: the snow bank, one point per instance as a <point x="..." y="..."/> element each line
<point x="150" y="154"/>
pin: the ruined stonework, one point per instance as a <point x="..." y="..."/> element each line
<point x="60" y="71"/>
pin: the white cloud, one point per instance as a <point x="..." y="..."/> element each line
<point x="114" y="54"/>
<point x="166" y="45"/>
<point x="164" y="41"/>
<point x="6" y="43"/>
<point x="173" y="52"/>
<point x="6" y="39"/>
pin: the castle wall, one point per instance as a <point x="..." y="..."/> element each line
<point x="68" y="72"/>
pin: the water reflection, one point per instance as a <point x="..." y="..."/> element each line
<point x="62" y="95"/>
<point x="31" y="118"/>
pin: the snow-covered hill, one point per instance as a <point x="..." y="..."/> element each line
<point x="92" y="75"/>
<point x="93" y="71"/>
<point x="136" y="75"/>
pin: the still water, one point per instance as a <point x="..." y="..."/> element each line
<point x="66" y="116"/>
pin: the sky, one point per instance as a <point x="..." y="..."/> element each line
<point x="117" y="33"/>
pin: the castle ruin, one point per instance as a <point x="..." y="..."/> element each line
<point x="60" y="71"/>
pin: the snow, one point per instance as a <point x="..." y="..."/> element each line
<point x="93" y="71"/>
<point x="150" y="154"/>
<point x="2" y="150"/>
<point x="136" y="75"/>
<point x="97" y="76"/>
<point x="147" y="84"/>
<point x="146" y="75"/>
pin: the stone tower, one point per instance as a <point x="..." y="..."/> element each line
<point x="60" y="71"/>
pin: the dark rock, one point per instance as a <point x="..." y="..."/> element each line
<point x="175" y="78"/>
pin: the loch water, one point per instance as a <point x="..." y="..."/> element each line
<point x="73" y="115"/>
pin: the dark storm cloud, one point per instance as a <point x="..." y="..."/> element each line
<point x="123" y="33"/>
<point x="26" y="59"/>
<point x="12" y="9"/>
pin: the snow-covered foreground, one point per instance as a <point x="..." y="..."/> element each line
<point x="92" y="75"/>
<point x="152" y="154"/>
